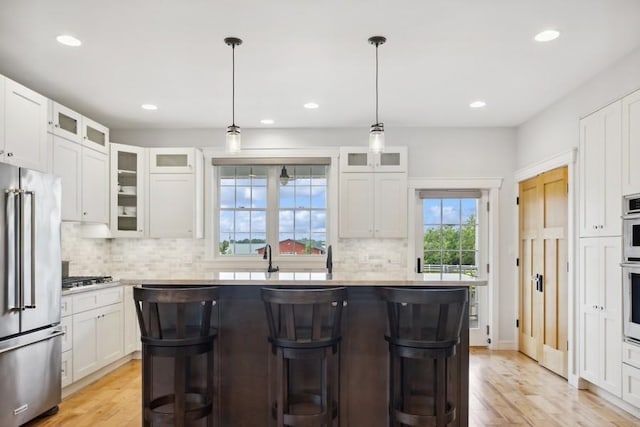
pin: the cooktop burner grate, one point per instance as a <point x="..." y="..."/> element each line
<point x="77" y="281"/>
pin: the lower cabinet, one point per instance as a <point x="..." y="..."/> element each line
<point x="600" y="279"/>
<point x="97" y="339"/>
<point x="131" y="328"/>
<point x="95" y="325"/>
<point x="631" y="373"/>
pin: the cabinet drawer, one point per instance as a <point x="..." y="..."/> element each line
<point x="91" y="300"/>
<point x="66" y="370"/>
<point x="67" y="327"/>
<point x="631" y="385"/>
<point x="631" y="354"/>
<point x="66" y="306"/>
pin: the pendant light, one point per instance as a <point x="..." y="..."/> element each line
<point x="233" y="131"/>
<point x="376" y="134"/>
<point x="284" y="176"/>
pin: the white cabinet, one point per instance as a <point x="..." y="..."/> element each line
<point x="67" y="164"/>
<point x="171" y="205"/>
<point x="175" y="194"/>
<point x="25" y="127"/>
<point x="66" y="370"/>
<point x="373" y="194"/>
<point x="97" y="330"/>
<point x="600" y="176"/>
<point x="131" y="328"/>
<point x="172" y="160"/>
<point x="127" y="191"/>
<point x="600" y="282"/>
<point x="95" y="136"/>
<point x="631" y="373"/>
<point x="359" y="159"/>
<point x="95" y="186"/>
<point x="631" y="143"/>
<point x="64" y="122"/>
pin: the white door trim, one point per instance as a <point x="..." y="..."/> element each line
<point x="493" y="185"/>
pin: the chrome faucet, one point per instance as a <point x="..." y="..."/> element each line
<point x="267" y="255"/>
<point x="329" y="260"/>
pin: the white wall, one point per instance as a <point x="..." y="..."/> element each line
<point x="556" y="129"/>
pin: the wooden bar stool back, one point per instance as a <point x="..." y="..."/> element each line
<point x="424" y="329"/>
<point x="305" y="325"/>
<point x="175" y="324"/>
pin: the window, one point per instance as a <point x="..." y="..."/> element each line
<point x="281" y="205"/>
<point x="450" y="240"/>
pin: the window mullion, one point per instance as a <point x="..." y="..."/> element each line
<point x="273" y="209"/>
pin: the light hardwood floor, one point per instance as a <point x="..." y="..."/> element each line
<point x="506" y="389"/>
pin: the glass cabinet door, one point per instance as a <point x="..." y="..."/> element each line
<point x="127" y="201"/>
<point x="66" y="123"/>
<point x="171" y="160"/>
<point x="95" y="135"/>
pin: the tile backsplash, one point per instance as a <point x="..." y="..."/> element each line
<point x="188" y="258"/>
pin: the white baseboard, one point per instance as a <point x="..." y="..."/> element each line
<point x="614" y="400"/>
<point x="95" y="376"/>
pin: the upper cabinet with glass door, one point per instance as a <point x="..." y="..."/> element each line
<point x="171" y="160"/>
<point x="127" y="191"/>
<point x="65" y="122"/>
<point x="95" y="135"/>
<point x="360" y="159"/>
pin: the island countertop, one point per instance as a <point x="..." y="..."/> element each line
<point x="306" y="278"/>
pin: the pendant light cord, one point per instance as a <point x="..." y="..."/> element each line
<point x="233" y="85"/>
<point x="377" y="84"/>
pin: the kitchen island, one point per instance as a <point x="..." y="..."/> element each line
<point x="243" y="355"/>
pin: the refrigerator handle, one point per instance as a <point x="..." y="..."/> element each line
<point x="32" y="247"/>
<point x="13" y="290"/>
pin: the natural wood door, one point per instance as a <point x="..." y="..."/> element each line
<point x="543" y="269"/>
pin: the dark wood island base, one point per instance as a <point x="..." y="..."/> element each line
<point x="243" y="360"/>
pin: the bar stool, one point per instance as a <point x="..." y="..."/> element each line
<point x="304" y="327"/>
<point x="424" y="328"/>
<point x="175" y="326"/>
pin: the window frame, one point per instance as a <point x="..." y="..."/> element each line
<point x="266" y="157"/>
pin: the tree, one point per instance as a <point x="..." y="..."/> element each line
<point x="224" y="247"/>
<point x="451" y="245"/>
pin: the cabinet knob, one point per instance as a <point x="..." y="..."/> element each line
<point x="56" y="125"/>
<point x="84" y="213"/>
<point x="9" y="154"/>
<point x="50" y="122"/>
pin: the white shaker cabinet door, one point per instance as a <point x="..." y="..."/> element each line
<point x="171" y="205"/>
<point x="390" y="205"/>
<point x="631" y="143"/>
<point x="25" y="127"/>
<point x="110" y="334"/>
<point x="356" y="205"/>
<point x="95" y="186"/>
<point x="67" y="164"/>
<point x="85" y="343"/>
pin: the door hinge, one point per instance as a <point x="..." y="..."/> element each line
<point x="517" y="323"/>
<point x="487" y="329"/>
<point x="517" y="262"/>
<point x="517" y="200"/>
<point x="487" y="206"/>
<point x="487" y="268"/>
<point x="567" y="266"/>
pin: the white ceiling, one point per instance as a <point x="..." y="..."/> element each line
<point x="440" y="55"/>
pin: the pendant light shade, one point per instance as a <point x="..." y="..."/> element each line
<point x="376" y="134"/>
<point x="233" y="142"/>
<point x="284" y="176"/>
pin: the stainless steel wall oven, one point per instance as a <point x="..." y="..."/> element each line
<point x="631" y="267"/>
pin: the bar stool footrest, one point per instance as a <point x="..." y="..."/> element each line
<point x="422" y="420"/>
<point x="197" y="405"/>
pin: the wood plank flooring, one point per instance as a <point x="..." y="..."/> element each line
<point x="506" y="389"/>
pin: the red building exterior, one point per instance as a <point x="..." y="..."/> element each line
<point x="293" y="247"/>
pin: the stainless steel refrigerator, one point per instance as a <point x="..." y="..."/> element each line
<point x="30" y="336"/>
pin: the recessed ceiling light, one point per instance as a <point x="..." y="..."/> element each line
<point x="478" y="104"/>
<point x="311" y="105"/>
<point x="547" y="35"/>
<point x="149" y="107"/>
<point x="267" y="121"/>
<point x="68" y="40"/>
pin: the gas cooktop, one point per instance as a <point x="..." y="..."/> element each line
<point x="77" y="281"/>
